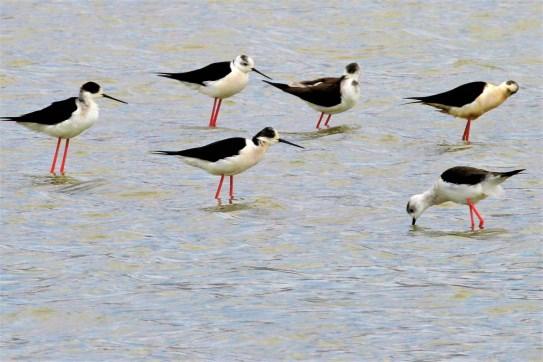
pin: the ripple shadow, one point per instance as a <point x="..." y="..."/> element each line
<point x="457" y="147"/>
<point x="478" y="234"/>
<point x="324" y="132"/>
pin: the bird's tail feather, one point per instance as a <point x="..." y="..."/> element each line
<point x="414" y="100"/>
<point x="165" y="75"/>
<point x="509" y="173"/>
<point x="170" y="153"/>
<point x="403" y="104"/>
<point x="277" y="85"/>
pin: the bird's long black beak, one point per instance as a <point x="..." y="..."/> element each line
<point x="115" y="99"/>
<point x="288" y="143"/>
<point x="259" y="72"/>
<point x="413" y="222"/>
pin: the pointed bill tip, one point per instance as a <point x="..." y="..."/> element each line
<point x="262" y="74"/>
<point x="413" y="222"/>
<point x="289" y="143"/>
<point x="115" y="99"/>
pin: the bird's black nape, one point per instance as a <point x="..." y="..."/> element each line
<point x="91" y="87"/>
<point x="267" y="132"/>
<point x="352" y="68"/>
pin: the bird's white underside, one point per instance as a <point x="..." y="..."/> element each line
<point x="248" y="157"/>
<point x="226" y="87"/>
<point x="491" y="97"/>
<point x="82" y="119"/>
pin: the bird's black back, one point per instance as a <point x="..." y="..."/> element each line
<point x="325" y="94"/>
<point x="56" y="113"/>
<point x="212" y="152"/>
<point x="212" y="72"/>
<point x="456" y="97"/>
<point x="464" y="175"/>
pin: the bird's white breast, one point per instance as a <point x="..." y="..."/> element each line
<point x="350" y="93"/>
<point x="226" y="87"/>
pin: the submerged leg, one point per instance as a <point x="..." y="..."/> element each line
<point x="471" y="216"/>
<point x="217" y="112"/>
<point x="218" y="193"/>
<point x="54" y="163"/>
<point x="213" y="112"/>
<point x="319" y="122"/>
<point x="479" y="216"/>
<point x="465" y="136"/>
<point x="231" y="194"/>
<point x="327" y="120"/>
<point x="64" y="156"/>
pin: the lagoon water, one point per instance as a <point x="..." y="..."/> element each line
<point x="128" y="257"/>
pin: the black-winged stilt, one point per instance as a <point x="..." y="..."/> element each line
<point x="470" y="101"/>
<point x="65" y="119"/>
<point x="231" y="156"/>
<point x="218" y="80"/>
<point x="327" y="95"/>
<point x="462" y="185"/>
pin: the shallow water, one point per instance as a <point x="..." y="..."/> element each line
<point x="129" y="257"/>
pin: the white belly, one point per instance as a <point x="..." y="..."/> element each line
<point x="488" y="100"/>
<point x="459" y="193"/>
<point x="232" y="84"/>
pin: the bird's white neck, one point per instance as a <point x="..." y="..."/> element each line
<point x="235" y="69"/>
<point x="261" y="145"/>
<point x="86" y="99"/>
<point x="430" y="198"/>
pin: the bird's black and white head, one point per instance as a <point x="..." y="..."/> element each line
<point x="352" y="70"/>
<point x="416" y="205"/>
<point x="246" y="64"/>
<point x="269" y="136"/>
<point x="511" y="87"/>
<point x="92" y="90"/>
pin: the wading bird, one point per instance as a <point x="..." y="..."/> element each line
<point x="462" y="185"/>
<point x="65" y="119"/>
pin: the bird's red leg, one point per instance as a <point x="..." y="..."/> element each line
<point x="480" y="217"/>
<point x="471" y="214"/>
<point x="54" y="163"/>
<point x="64" y="156"/>
<point x="218" y="193"/>
<point x="465" y="136"/>
<point x="319" y="122"/>
<point x="231" y="188"/>
<point x="327" y="120"/>
<point x="213" y="112"/>
<point x="217" y="112"/>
